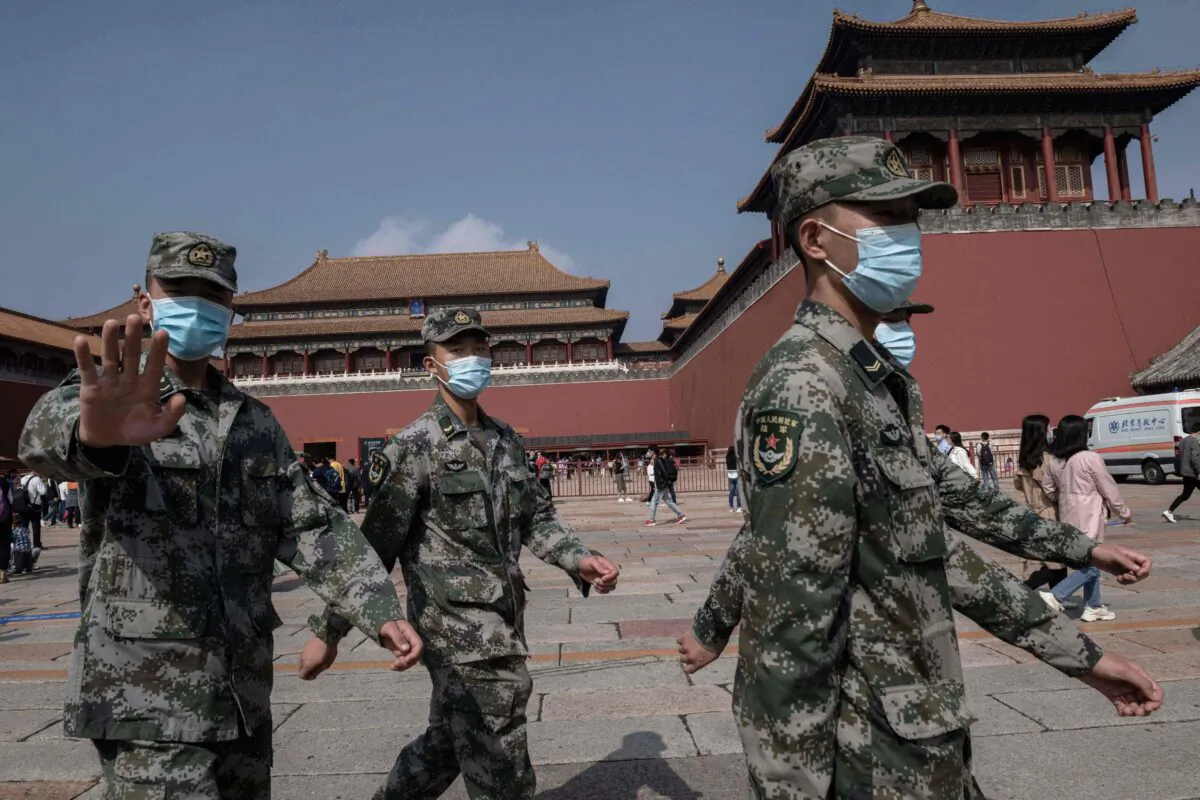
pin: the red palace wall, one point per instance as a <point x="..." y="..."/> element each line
<point x="16" y="401"/>
<point x="568" y="409"/>
<point x="1026" y="321"/>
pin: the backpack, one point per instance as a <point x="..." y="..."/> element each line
<point x="985" y="455"/>
<point x="333" y="483"/>
<point x="670" y="471"/>
<point x="20" y="503"/>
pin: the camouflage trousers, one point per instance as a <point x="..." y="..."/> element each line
<point x="476" y="727"/>
<point x="136" y="770"/>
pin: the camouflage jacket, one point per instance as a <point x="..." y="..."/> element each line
<point x="456" y="518"/>
<point x="177" y="545"/>
<point x="844" y="578"/>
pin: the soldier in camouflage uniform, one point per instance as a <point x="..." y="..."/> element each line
<point x="454" y="501"/>
<point x="190" y="491"/>
<point x="849" y="680"/>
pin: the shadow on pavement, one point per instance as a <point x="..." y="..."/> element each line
<point x="624" y="773"/>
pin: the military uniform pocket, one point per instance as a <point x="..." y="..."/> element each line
<point x="925" y="710"/>
<point x="173" y="485"/>
<point x="464" y="500"/>
<point x="260" y="492"/>
<point x="914" y="510"/>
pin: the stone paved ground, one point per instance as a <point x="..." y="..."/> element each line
<point x="614" y="717"/>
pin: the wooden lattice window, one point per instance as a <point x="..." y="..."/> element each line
<point x="508" y="356"/>
<point x="289" y="364"/>
<point x="589" y="351"/>
<point x="1068" y="180"/>
<point x="982" y="158"/>
<point x="919" y="156"/>
<point x="550" y="353"/>
<point x="247" y="367"/>
<point x="328" y="362"/>
<point x="370" y="361"/>
<point x="923" y="173"/>
<point x="1018" y="182"/>
<point x="1064" y="155"/>
<point x="1014" y="155"/>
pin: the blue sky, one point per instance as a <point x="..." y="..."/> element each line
<point x="617" y="134"/>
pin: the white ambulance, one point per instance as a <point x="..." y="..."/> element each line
<point x="1141" y="435"/>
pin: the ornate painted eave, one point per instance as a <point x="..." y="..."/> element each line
<point x="494" y="320"/>
<point x="923" y="22"/>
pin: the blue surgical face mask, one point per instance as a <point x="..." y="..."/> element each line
<point x="469" y="376"/>
<point x="889" y="265"/>
<point x="945" y="446"/>
<point x="899" y="339"/>
<point x="197" y="327"/>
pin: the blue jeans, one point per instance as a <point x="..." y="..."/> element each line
<point x="1087" y="579"/>
<point x="662" y="496"/>
<point x="734" y="502"/>
<point x="989" y="472"/>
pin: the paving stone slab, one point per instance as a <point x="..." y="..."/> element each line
<point x="1017" y="678"/>
<point x="629" y="703"/>
<point x="350" y="751"/>
<point x="1072" y="709"/>
<point x="615" y="740"/>
<point x="379" y="686"/>
<point x="993" y="718"/>
<point x="17" y="726"/>
<point x="653" y="608"/>
<point x="28" y="695"/>
<point x="719" y="673"/>
<point x="715" y="733"/>
<point x="45" y="790"/>
<point x="358" y="714"/>
<point x="575" y="632"/>
<point x="607" y="675"/>
<point x="1142" y="762"/>
<point x="49" y="760"/>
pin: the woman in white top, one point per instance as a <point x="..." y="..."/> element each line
<point x="958" y="456"/>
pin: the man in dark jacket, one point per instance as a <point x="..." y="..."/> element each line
<point x="1189" y="468"/>
<point x="664" y="477"/>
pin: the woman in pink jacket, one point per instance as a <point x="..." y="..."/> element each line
<point x="1079" y="482"/>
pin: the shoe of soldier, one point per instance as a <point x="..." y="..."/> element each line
<point x="1097" y="614"/>
<point x="1051" y="601"/>
<point x="682" y="518"/>
<point x="1168" y="516"/>
<point x="649" y="523"/>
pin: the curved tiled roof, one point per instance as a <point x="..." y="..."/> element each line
<point x="679" y="323"/>
<point x="423" y="276"/>
<point x="1170" y="86"/>
<point x="497" y="320"/>
<point x="923" y="21"/>
<point x="641" y="347"/>
<point x="1179" y="367"/>
<point x="35" y="330"/>
<point x="706" y="290"/>
<point x="119" y="312"/>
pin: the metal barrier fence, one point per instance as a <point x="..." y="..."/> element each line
<point x="584" y="481"/>
<point x="695" y="475"/>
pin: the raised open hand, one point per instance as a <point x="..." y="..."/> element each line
<point x="121" y="406"/>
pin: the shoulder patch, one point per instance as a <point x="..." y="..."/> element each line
<point x="378" y="468"/>
<point x="776" y="443"/>
<point x="871" y="364"/>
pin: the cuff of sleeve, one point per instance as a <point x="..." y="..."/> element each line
<point x="100" y="462"/>
<point x="570" y="554"/>
<point x="323" y="629"/>
<point x="708" y="639"/>
<point x="1080" y="555"/>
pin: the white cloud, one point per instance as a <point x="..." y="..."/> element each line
<point x="471" y="234"/>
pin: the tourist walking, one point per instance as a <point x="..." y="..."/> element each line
<point x="660" y="474"/>
<point x="1078" y="481"/>
<point x="731" y="472"/>
<point x="1189" y="468"/>
<point x="620" y="469"/>
<point x="6" y="521"/>
<point x="71" y="503"/>
<point x="1032" y="461"/>
<point x="958" y="455"/>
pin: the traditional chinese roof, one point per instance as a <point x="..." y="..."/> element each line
<point x="35" y="330"/>
<point x="705" y="291"/>
<point x="97" y="320"/>
<point x="493" y="320"/>
<point x="1084" y="34"/>
<point x="641" y="348"/>
<point x="423" y="277"/>
<point x="1154" y="90"/>
<point x="1178" y="368"/>
<point x="679" y="323"/>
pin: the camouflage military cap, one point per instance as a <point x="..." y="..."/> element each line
<point x="446" y="323"/>
<point x="860" y="169"/>
<point x="180" y="254"/>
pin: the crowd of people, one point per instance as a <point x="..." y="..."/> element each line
<point x="27" y="503"/>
